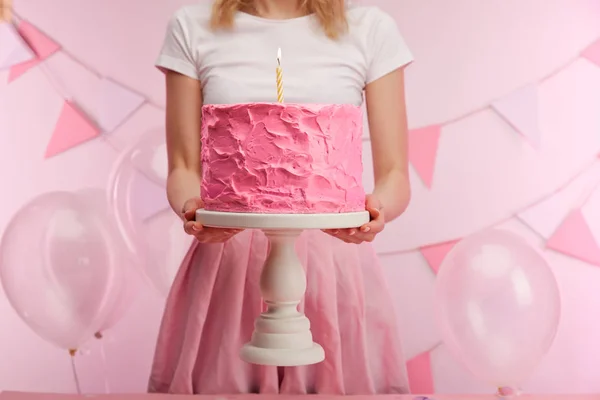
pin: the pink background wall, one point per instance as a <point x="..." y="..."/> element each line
<point x="504" y="103"/>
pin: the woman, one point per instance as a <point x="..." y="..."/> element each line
<point x="225" y="53"/>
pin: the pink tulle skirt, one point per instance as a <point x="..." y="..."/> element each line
<point x="215" y="298"/>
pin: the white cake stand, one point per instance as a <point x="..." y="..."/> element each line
<point x="282" y="334"/>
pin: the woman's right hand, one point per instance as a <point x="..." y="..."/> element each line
<point x="203" y="234"/>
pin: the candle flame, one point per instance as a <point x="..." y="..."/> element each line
<point x="279" y="56"/>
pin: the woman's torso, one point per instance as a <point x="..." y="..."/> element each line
<point x="238" y="66"/>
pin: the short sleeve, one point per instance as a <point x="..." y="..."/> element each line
<point x="176" y="53"/>
<point x="387" y="49"/>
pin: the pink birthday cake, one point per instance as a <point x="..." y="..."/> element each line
<point x="282" y="158"/>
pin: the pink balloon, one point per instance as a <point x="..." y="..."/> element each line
<point x="165" y="228"/>
<point x="95" y="200"/>
<point x="60" y="268"/>
<point x="498" y="306"/>
<point x="144" y="219"/>
<point x="149" y="155"/>
<point x="138" y="162"/>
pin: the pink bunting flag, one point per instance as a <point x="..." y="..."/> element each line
<point x="422" y="151"/>
<point x="147" y="198"/>
<point x="420" y="376"/>
<point x="42" y="46"/>
<point x="592" y="53"/>
<point x="115" y="103"/>
<point x="72" y="129"/>
<point x="520" y="110"/>
<point x="545" y="216"/>
<point x="13" y="49"/>
<point x="574" y="238"/>
<point x="436" y="253"/>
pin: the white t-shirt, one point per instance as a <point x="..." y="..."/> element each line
<point x="238" y="66"/>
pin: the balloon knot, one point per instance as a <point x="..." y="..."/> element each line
<point x="98" y="335"/>
<point x="72" y="352"/>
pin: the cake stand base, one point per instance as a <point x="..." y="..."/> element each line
<point x="282" y="357"/>
<point x="282" y="334"/>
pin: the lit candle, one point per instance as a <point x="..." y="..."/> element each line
<point x="279" y="78"/>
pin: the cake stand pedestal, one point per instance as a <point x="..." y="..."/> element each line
<point x="282" y="334"/>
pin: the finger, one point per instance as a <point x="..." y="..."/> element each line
<point x="189" y="215"/>
<point x="187" y="227"/>
<point x="337" y="233"/>
<point x="350" y="232"/>
<point x="230" y="234"/>
<point x="220" y="231"/>
<point x="354" y="235"/>
<point x="359" y="237"/>
<point x="366" y="228"/>
<point x="374" y="213"/>
<point x="348" y="239"/>
<point x="345" y="239"/>
<point x="189" y="205"/>
<point x="365" y="237"/>
<point x="374" y="226"/>
<point x="189" y="208"/>
<point x="374" y="208"/>
<point x="354" y="240"/>
<point x="192" y="227"/>
<point x="341" y="232"/>
<point x="199" y="203"/>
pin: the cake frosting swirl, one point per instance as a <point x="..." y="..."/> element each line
<point x="282" y="158"/>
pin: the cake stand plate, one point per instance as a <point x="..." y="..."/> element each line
<point x="282" y="335"/>
<point x="282" y="221"/>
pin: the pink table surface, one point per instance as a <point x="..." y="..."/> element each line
<point x="43" y="396"/>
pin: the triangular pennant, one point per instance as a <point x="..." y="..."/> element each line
<point x="422" y="151"/>
<point x="42" y="46"/>
<point x="72" y="129"/>
<point x="545" y="216"/>
<point x="574" y="238"/>
<point x="115" y="103"/>
<point x="520" y="110"/>
<point x="434" y="254"/>
<point x="538" y="219"/>
<point x="592" y="53"/>
<point x="420" y="375"/>
<point x="13" y="49"/>
<point x="147" y="198"/>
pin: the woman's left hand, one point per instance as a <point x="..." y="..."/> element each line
<point x="368" y="231"/>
